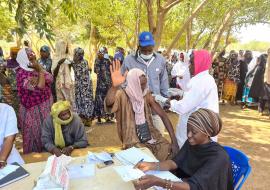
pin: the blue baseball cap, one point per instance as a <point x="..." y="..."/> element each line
<point x="146" y="39"/>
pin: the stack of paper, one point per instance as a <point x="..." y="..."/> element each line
<point x="81" y="171"/>
<point x="132" y="156"/>
<point x="164" y="175"/>
<point x="98" y="157"/>
<point x="128" y="173"/>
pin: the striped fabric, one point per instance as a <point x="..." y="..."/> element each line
<point x="206" y="121"/>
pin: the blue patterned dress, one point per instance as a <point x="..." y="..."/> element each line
<point x="83" y="89"/>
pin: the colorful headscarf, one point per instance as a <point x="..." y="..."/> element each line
<point x="202" y="61"/>
<point x="45" y="49"/>
<point x="23" y="60"/>
<point x="135" y="94"/>
<point x="206" y="121"/>
<point x="56" y="109"/>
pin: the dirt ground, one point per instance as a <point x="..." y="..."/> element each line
<point x="242" y="129"/>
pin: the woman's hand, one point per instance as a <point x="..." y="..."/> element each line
<point x="146" y="182"/>
<point x="116" y="75"/>
<point x="36" y="66"/>
<point x="146" y="166"/>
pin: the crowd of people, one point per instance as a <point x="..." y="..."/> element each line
<point x="241" y="77"/>
<point x="53" y="99"/>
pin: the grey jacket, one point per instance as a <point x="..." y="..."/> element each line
<point x="73" y="133"/>
<point x="156" y="72"/>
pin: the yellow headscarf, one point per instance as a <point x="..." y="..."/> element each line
<point x="56" y="109"/>
<point x="14" y="49"/>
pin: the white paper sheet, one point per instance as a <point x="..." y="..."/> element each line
<point x="81" y="171"/>
<point x="7" y="170"/>
<point x="132" y="156"/>
<point x="98" y="157"/>
<point x="128" y="173"/>
<point x="164" y="175"/>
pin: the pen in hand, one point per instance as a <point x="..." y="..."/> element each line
<point x="135" y="166"/>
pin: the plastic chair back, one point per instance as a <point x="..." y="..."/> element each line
<point x="240" y="166"/>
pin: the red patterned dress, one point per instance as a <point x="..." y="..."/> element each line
<point x="35" y="106"/>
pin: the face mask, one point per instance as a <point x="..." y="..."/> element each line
<point x="146" y="57"/>
<point x="106" y="56"/>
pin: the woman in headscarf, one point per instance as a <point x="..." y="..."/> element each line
<point x="45" y="58"/>
<point x="83" y="87"/>
<point x="6" y="93"/>
<point x="243" y="72"/>
<point x="257" y="89"/>
<point x="247" y="100"/>
<point x="34" y="90"/>
<point x="181" y="73"/>
<point x="265" y="97"/>
<point x="102" y="69"/>
<point x="232" y="78"/>
<point x="133" y="106"/>
<point x="219" y="66"/>
<point x="12" y="66"/>
<point x="63" y="131"/>
<point x="64" y="82"/>
<point x="202" y="163"/>
<point x="46" y="61"/>
<point x="202" y="93"/>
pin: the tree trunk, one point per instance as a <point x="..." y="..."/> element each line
<point x="159" y="29"/>
<point x="150" y="15"/>
<point x="138" y="22"/>
<point x="186" y="24"/>
<point x="198" y="38"/>
<point x="93" y="45"/>
<point x="156" y="28"/>
<point x="220" y="31"/>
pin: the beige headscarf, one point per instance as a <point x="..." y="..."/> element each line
<point x="135" y="94"/>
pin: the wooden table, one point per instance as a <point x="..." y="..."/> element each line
<point x="104" y="179"/>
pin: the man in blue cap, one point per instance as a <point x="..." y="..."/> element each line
<point x="154" y="66"/>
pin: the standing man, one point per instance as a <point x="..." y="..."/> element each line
<point x="154" y="65"/>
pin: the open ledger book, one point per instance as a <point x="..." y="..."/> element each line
<point x="130" y="157"/>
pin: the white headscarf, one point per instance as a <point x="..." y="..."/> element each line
<point x="23" y="60"/>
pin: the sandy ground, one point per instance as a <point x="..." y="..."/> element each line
<point x="242" y="129"/>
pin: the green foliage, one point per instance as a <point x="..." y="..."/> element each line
<point x="253" y="45"/>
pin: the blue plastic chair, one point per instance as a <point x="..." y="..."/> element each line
<point x="240" y="166"/>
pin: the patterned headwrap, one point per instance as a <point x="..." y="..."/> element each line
<point x="45" y="49"/>
<point x="78" y="51"/>
<point x="56" y="109"/>
<point x="206" y="121"/>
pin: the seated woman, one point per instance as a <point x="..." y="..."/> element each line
<point x="201" y="163"/>
<point x="8" y="131"/>
<point x="63" y="131"/>
<point x="133" y="106"/>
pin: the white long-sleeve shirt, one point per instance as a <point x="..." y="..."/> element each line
<point x="201" y="94"/>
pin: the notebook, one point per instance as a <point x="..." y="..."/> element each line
<point x="14" y="176"/>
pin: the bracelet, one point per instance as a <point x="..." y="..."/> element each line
<point x="168" y="184"/>
<point x="3" y="162"/>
